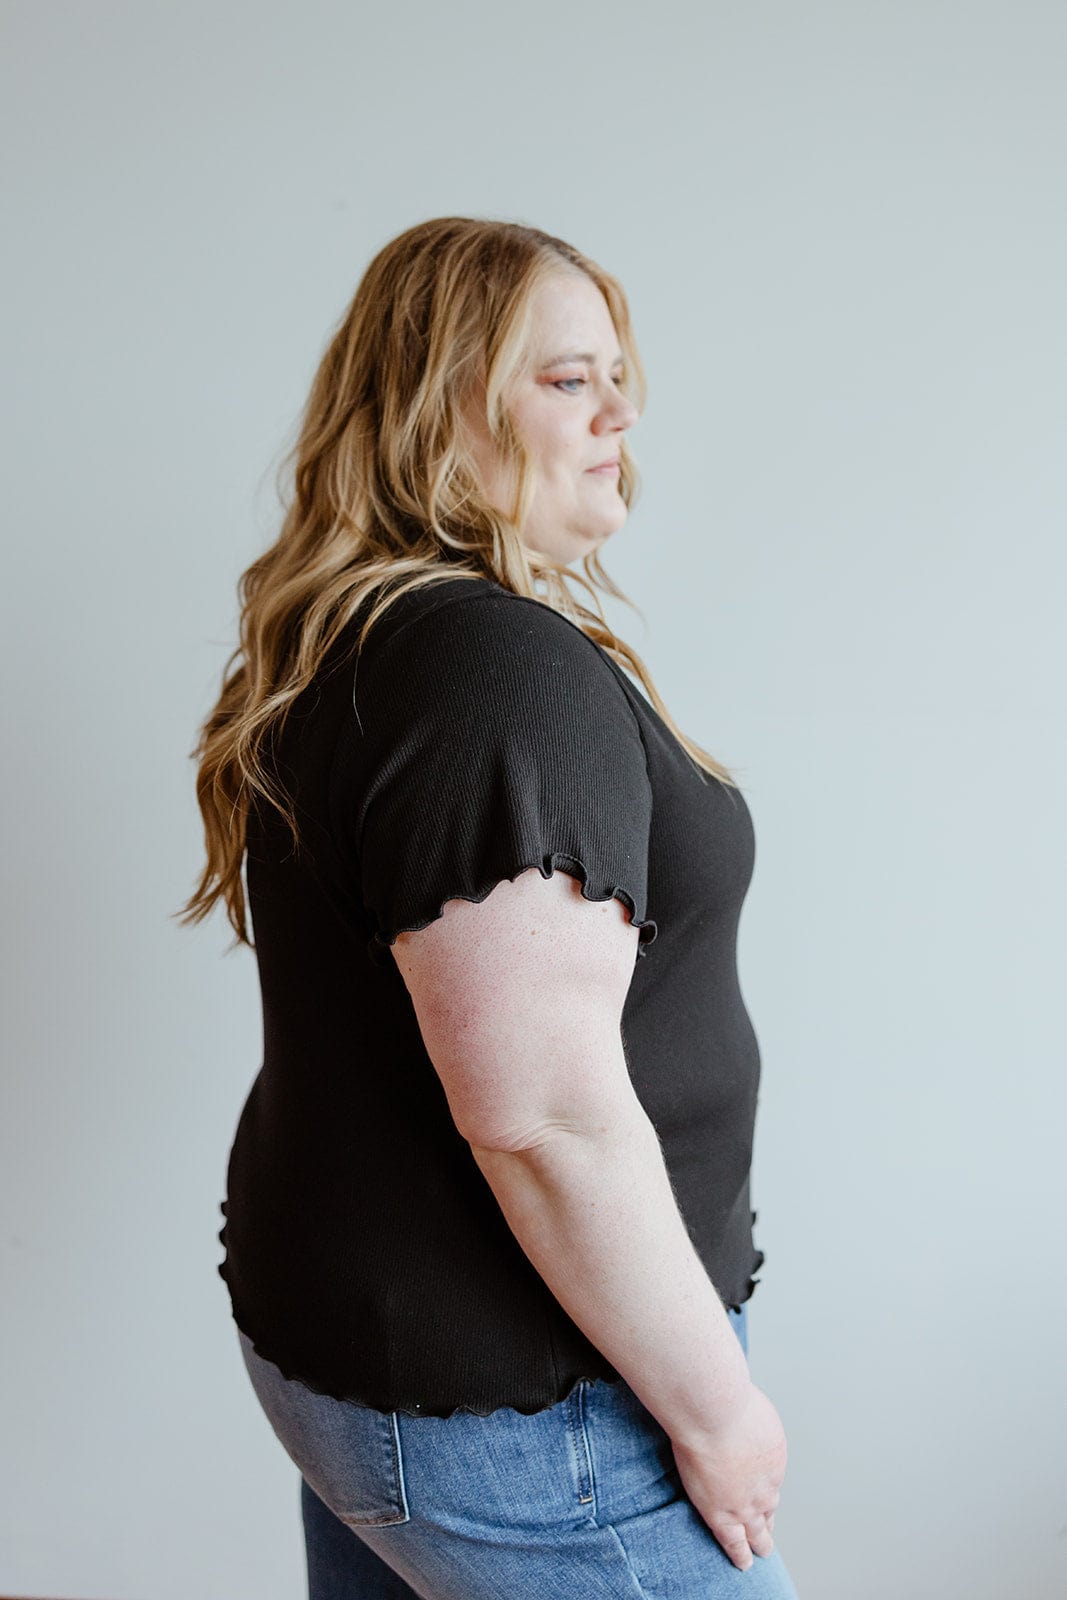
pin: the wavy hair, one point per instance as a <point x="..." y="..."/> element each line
<point x="386" y="497"/>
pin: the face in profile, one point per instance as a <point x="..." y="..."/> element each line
<point x="571" y="413"/>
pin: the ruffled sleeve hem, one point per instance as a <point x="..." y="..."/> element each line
<point x="383" y="939"/>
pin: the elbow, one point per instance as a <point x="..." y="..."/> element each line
<point x="533" y="1137"/>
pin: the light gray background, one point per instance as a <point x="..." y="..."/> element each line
<point x="842" y="230"/>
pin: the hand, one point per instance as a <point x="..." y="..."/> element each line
<point x="733" y="1476"/>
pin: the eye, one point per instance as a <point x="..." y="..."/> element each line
<point x="558" y="383"/>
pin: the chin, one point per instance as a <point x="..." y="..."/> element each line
<point x="573" y="545"/>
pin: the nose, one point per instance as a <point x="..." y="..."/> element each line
<point x="618" y="414"/>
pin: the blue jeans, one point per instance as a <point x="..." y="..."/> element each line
<point x="582" y="1499"/>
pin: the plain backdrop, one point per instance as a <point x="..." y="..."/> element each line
<point x="842" y="230"/>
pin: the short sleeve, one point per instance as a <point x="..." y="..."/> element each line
<point x="492" y="736"/>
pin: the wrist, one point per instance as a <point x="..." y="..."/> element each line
<point x="702" y="1425"/>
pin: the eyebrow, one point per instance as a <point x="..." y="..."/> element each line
<point x="577" y="355"/>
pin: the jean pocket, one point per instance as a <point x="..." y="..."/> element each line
<point x="350" y="1454"/>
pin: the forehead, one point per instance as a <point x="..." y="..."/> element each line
<point x="570" y="319"/>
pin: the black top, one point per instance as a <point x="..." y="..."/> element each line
<point x="480" y="733"/>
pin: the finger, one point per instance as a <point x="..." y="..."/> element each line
<point x="735" y="1544"/>
<point x="761" y="1543"/>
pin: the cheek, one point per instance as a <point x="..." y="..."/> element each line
<point x="556" y="439"/>
<point x="561" y="449"/>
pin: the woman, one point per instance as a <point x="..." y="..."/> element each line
<point x="488" y="1237"/>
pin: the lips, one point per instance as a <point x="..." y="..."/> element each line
<point x="602" y="466"/>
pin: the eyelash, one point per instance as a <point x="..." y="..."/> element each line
<point x="558" y="381"/>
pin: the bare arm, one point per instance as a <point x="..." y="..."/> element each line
<point x="591" y="1204"/>
<point x="519" y="1001"/>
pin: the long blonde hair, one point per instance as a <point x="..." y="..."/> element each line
<point x="386" y="496"/>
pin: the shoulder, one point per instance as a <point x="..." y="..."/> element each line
<point x="480" y="606"/>
<point x="472" y="665"/>
<point x="464" y="630"/>
<point x="490" y="734"/>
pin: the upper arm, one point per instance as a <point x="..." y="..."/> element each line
<point x="519" y="1001"/>
<point x="502" y="812"/>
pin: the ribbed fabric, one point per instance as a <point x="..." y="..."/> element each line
<point x="479" y="734"/>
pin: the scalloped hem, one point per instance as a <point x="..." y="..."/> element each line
<point x="380" y="942"/>
<point x="750" y="1287"/>
<point x="525" y="1411"/>
<point x="415" y="1409"/>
